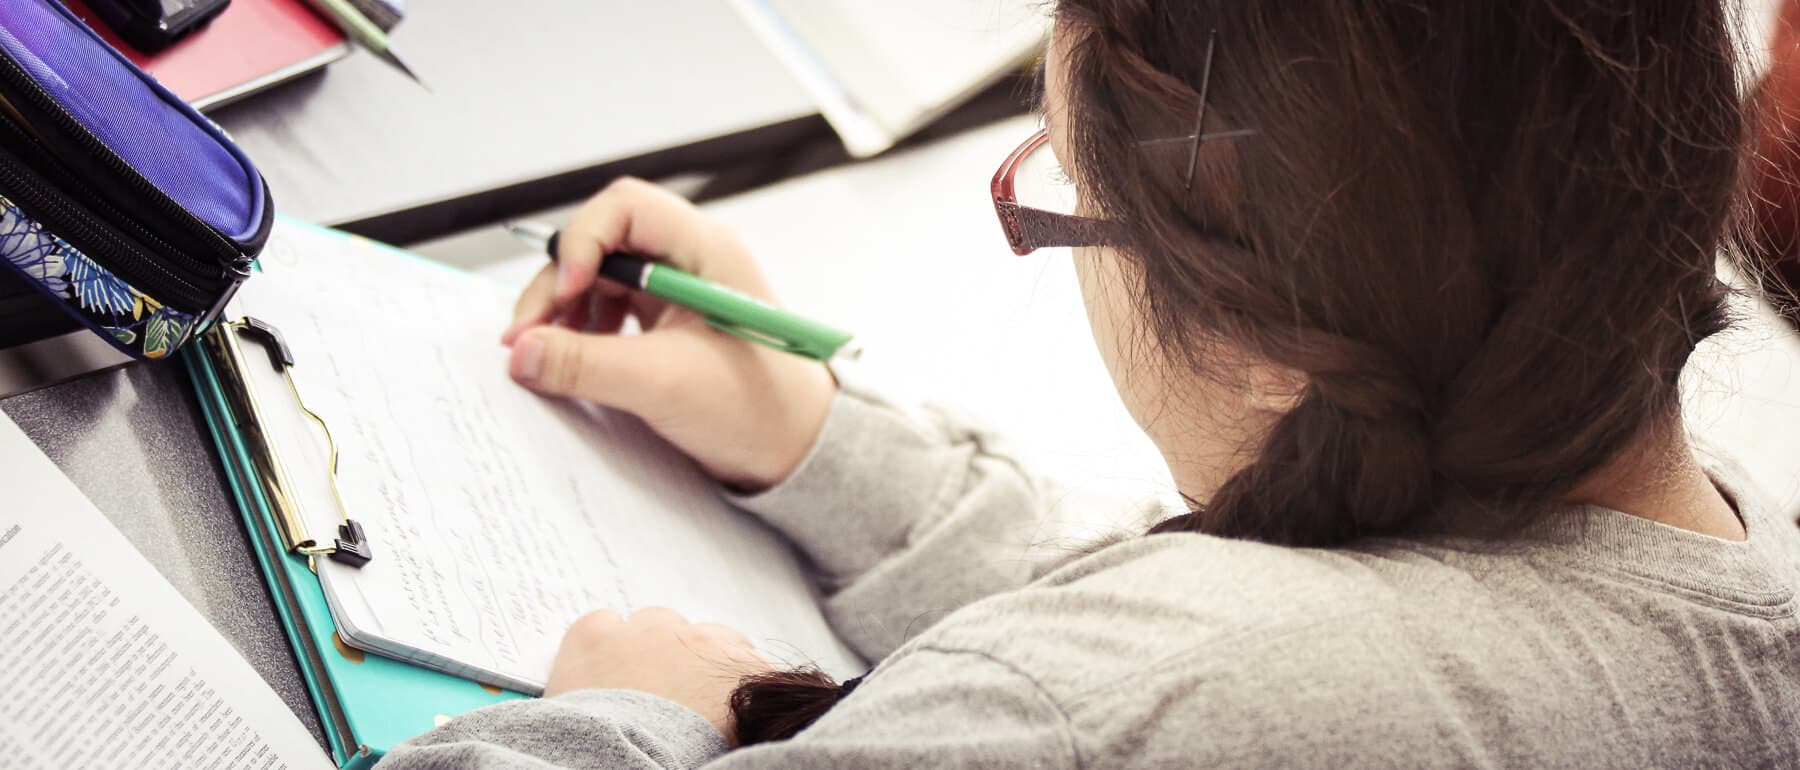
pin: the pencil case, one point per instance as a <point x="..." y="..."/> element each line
<point x="131" y="211"/>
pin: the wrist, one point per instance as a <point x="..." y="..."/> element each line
<point x="801" y="428"/>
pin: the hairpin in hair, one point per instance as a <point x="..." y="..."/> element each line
<point x="1212" y="40"/>
<point x="1208" y="136"/>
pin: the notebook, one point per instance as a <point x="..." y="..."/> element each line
<point x="102" y="662"/>
<point x="493" y="517"/>
<point x="252" y="45"/>
<point x="880" y="71"/>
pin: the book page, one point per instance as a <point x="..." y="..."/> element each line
<point x="496" y="516"/>
<point x="102" y="663"/>
<point x="881" y="70"/>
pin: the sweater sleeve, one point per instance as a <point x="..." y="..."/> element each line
<point x="621" y="729"/>
<point x="909" y="513"/>
<point x="928" y="707"/>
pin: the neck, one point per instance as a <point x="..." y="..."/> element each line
<point x="1659" y="479"/>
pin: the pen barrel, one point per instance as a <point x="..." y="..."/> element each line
<point x="353" y="23"/>
<point x="746" y="316"/>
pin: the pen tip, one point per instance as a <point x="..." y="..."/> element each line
<point x="389" y="57"/>
<point x="536" y="232"/>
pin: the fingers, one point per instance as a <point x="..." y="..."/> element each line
<point x="631" y="215"/>
<point x="585" y="314"/>
<point x="736" y="648"/>
<point x="601" y="311"/>
<point x="634" y="216"/>
<point x="720" y="632"/>
<point x="627" y="215"/>
<point x="593" y="624"/>
<point x="603" y="622"/>
<point x="611" y="315"/>
<point x="535" y="304"/>
<point x="623" y="372"/>
<point x="658" y="616"/>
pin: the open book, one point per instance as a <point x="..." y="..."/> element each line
<point x="102" y="663"/>
<point x="495" y="517"/>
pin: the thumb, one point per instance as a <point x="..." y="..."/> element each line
<point x="621" y="372"/>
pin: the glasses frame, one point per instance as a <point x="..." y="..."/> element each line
<point x="1028" y="229"/>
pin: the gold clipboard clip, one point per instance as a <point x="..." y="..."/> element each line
<point x="351" y="546"/>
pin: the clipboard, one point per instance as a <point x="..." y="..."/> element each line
<point x="362" y="327"/>
<point x="366" y="703"/>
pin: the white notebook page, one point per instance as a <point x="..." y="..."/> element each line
<point x="496" y="516"/>
<point x="102" y="663"/>
<point x="879" y="71"/>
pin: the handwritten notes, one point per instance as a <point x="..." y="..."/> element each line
<point x="497" y="516"/>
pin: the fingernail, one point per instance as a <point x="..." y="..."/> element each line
<point x="528" y="358"/>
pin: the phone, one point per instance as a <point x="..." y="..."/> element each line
<point x="152" y="25"/>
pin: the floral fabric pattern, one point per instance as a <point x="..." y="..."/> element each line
<point x="137" y="323"/>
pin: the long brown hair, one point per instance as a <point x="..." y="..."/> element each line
<point x="1485" y="232"/>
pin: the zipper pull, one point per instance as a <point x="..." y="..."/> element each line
<point x="240" y="267"/>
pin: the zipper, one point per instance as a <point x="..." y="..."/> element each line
<point x="94" y="237"/>
<point x="208" y="241"/>
<point x="91" y="200"/>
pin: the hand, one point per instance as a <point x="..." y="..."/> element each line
<point x="658" y="652"/>
<point x="747" y="414"/>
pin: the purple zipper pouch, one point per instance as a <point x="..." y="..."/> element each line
<point x="117" y="199"/>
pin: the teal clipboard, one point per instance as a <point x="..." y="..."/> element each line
<point x="366" y="703"/>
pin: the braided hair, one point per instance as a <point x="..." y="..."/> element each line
<point x="1484" y="232"/>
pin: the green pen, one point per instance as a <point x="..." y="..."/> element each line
<point x="358" y="27"/>
<point x="725" y="309"/>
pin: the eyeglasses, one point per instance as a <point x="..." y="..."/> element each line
<point x="1050" y="220"/>
<point x="1036" y="202"/>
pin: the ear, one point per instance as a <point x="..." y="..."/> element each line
<point x="1273" y="388"/>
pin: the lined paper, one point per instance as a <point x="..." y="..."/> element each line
<point x="497" y="516"/>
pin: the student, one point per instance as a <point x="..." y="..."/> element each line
<point x="1408" y="334"/>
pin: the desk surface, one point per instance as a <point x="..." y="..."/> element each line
<point x="532" y="103"/>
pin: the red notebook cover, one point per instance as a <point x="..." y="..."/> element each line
<point x="251" y="45"/>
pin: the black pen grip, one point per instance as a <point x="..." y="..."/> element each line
<point x="624" y="269"/>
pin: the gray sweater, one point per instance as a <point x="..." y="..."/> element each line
<point x="1592" y="638"/>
